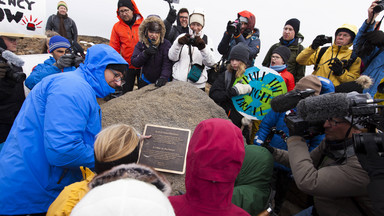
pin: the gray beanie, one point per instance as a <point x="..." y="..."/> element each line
<point x="239" y="52"/>
<point x="284" y="52"/>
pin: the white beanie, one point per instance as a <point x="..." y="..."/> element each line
<point x="197" y="16"/>
<point x="128" y="197"/>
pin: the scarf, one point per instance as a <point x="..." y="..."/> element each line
<point x="278" y="68"/>
<point x="62" y="30"/>
<point x="132" y="21"/>
<point x="288" y="43"/>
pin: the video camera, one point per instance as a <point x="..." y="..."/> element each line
<point x="361" y="108"/>
<point x="15" y="73"/>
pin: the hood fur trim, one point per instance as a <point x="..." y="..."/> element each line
<point x="143" y="26"/>
<point x="134" y="171"/>
<point x="365" y="81"/>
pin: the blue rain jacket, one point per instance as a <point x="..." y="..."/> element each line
<point x="375" y="69"/>
<point x="53" y="135"/>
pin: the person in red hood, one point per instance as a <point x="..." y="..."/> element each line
<point x="215" y="156"/>
<point x="241" y="30"/>
<point x="124" y="37"/>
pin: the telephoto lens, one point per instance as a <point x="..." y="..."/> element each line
<point x="361" y="138"/>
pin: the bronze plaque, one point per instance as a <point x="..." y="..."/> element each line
<point x="166" y="150"/>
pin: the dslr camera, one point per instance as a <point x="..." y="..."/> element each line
<point x="327" y="39"/>
<point x="379" y="7"/>
<point x="236" y="24"/>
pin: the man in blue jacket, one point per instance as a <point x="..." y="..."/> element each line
<point x="370" y="45"/>
<point x="54" y="133"/>
<point x="58" y="62"/>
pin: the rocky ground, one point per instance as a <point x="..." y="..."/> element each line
<point x="27" y="46"/>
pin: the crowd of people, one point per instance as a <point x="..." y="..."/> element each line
<point x="57" y="160"/>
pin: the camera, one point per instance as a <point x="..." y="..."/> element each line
<point x="379" y="7"/>
<point x="16" y="74"/>
<point x="300" y="127"/>
<point x="327" y="39"/>
<point x="236" y="24"/>
<point x="172" y="1"/>
<point x="361" y="138"/>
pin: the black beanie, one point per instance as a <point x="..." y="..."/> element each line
<point x="118" y="67"/>
<point x="125" y="3"/>
<point x="295" y="23"/>
<point x="154" y="27"/>
<point x="239" y="52"/>
<point x="284" y="52"/>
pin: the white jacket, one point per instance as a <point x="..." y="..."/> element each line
<point x="180" y="55"/>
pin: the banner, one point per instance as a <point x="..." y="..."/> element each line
<point x="23" y="18"/>
<point x="266" y="84"/>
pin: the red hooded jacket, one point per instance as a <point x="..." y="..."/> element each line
<point x="214" y="159"/>
<point x="123" y="38"/>
<point x="251" y="19"/>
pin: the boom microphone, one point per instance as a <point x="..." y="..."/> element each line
<point x="289" y="100"/>
<point x="333" y="105"/>
<point x="12" y="58"/>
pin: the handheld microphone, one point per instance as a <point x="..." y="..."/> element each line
<point x="289" y="100"/>
<point x="12" y="58"/>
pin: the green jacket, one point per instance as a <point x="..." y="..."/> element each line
<point x="252" y="188"/>
<point x="297" y="70"/>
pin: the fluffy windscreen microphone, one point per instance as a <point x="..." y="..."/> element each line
<point x="323" y="107"/>
<point x="12" y="58"/>
<point x="289" y="100"/>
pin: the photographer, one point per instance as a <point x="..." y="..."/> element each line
<point x="191" y="53"/>
<point x="370" y="47"/>
<point x="11" y="88"/>
<point x="57" y="63"/>
<point x="241" y="30"/>
<point x="330" y="62"/>
<point x="151" y="53"/>
<point x="173" y="31"/>
<point x="331" y="172"/>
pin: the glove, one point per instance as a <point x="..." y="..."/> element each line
<point x="160" y="82"/>
<point x="376" y="38"/>
<point x="199" y="43"/>
<point x="231" y="28"/>
<point x="4" y="67"/>
<point x="171" y="17"/>
<point x="64" y="61"/>
<point x="245" y="121"/>
<point x="184" y="40"/>
<point x="242" y="88"/>
<point x="371" y="161"/>
<point x="337" y="67"/>
<point x="152" y="50"/>
<point x="78" y="60"/>
<point x="318" y="41"/>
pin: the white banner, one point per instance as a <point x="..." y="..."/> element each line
<point x="23" y="18"/>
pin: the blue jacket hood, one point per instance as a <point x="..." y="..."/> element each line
<point x="96" y="60"/>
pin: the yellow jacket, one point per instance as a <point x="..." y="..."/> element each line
<point x="309" y="56"/>
<point x="71" y="195"/>
<point x="379" y="95"/>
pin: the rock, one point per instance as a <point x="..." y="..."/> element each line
<point x="177" y="104"/>
<point x="27" y="46"/>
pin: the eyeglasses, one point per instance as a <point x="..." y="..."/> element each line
<point x="124" y="11"/>
<point x="334" y="123"/>
<point x="183" y="17"/>
<point x="117" y="77"/>
<point x="275" y="57"/>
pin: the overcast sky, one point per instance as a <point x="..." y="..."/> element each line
<point x="96" y="17"/>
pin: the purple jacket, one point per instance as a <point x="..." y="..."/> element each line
<point x="155" y="66"/>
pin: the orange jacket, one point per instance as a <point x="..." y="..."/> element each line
<point x="123" y="38"/>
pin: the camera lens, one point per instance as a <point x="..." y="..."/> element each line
<point x="378" y="8"/>
<point x="361" y="138"/>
